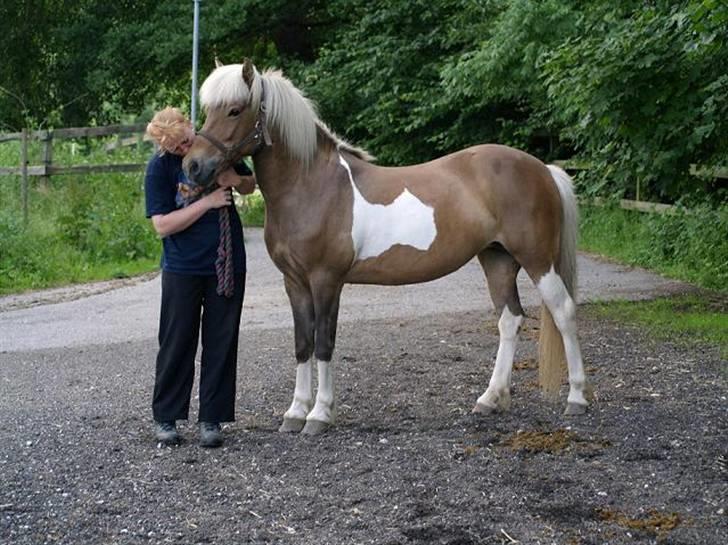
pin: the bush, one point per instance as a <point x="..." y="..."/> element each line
<point x="690" y="245"/>
<point x="252" y="209"/>
<point x="80" y="228"/>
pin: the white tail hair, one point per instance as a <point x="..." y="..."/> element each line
<point x="569" y="228"/>
<point x="551" y="355"/>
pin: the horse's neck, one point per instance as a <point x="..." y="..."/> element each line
<point x="279" y="174"/>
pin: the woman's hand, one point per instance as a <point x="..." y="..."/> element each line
<point x="242" y="184"/>
<point x="220" y="197"/>
<point x="182" y="218"/>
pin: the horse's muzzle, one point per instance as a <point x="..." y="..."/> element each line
<point x="199" y="170"/>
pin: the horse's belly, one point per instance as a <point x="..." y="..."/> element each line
<point x="405" y="265"/>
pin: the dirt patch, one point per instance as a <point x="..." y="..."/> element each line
<point x="653" y="522"/>
<point x="539" y="441"/>
<point x="407" y="462"/>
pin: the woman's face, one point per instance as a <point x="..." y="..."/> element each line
<point x="184" y="145"/>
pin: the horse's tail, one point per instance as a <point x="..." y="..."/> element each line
<point x="552" y="358"/>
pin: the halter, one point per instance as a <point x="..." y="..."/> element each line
<point x="259" y="134"/>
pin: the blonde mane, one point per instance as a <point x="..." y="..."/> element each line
<point x="288" y="111"/>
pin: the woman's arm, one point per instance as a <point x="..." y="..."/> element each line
<point x="179" y="220"/>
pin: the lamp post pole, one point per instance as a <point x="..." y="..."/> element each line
<point x="195" y="48"/>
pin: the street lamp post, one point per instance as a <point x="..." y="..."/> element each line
<point x="195" y="48"/>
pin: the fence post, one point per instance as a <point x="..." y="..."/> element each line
<point x="47" y="157"/>
<point x="24" y="173"/>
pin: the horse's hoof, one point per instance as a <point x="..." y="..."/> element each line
<point x="484" y="409"/>
<point x="314" y="427"/>
<point x="574" y="409"/>
<point x="292" y="425"/>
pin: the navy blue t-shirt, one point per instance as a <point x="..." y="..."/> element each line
<point x="194" y="250"/>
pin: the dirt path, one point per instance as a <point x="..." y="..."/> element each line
<point x="407" y="463"/>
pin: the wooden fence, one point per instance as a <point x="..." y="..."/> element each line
<point x="47" y="169"/>
<point x="637" y="204"/>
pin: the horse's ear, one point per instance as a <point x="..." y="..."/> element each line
<point x="248" y="72"/>
<point x="218" y="64"/>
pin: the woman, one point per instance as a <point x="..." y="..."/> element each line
<point x="190" y="231"/>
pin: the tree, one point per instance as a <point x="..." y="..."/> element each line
<point x="644" y="94"/>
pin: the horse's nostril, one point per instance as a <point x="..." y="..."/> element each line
<point x="194" y="168"/>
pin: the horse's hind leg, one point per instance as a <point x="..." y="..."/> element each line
<point x="563" y="309"/>
<point x="501" y="271"/>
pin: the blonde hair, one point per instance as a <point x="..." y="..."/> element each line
<point x="167" y="128"/>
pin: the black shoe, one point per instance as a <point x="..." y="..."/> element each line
<point x="210" y="434"/>
<point x="166" y="433"/>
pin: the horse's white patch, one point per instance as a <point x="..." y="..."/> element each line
<point x="378" y="227"/>
<point x="325" y="408"/>
<point x="303" y="394"/>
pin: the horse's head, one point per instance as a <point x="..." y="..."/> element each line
<point x="232" y="96"/>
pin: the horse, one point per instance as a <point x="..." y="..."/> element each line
<point x="332" y="217"/>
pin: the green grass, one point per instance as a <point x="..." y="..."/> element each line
<point x="80" y="228"/>
<point x="251" y="208"/>
<point x="690" y="246"/>
<point x="687" y="319"/>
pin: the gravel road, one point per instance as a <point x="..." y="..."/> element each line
<point x="128" y="310"/>
<point x="407" y="462"/>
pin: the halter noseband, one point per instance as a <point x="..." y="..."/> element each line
<point x="259" y="134"/>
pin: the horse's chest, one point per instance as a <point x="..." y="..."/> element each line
<point x="376" y="228"/>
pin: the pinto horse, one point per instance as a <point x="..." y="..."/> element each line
<point x="332" y="217"/>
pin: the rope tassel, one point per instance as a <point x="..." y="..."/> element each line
<point x="224" y="261"/>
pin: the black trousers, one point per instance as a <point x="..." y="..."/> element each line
<point x="187" y="302"/>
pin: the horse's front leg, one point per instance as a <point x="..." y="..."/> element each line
<point x="326" y="295"/>
<point x="299" y="295"/>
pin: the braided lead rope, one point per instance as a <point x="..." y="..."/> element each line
<point x="224" y="261"/>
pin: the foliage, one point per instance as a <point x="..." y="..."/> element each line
<point x="643" y="91"/>
<point x="637" y="89"/>
<point x="83" y="62"/>
<point x="495" y="81"/>
<point x="689" y="245"/>
<point x="79" y="229"/>
<point x="252" y="209"/>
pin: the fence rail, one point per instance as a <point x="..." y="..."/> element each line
<point x="638" y="204"/>
<point x="48" y="169"/>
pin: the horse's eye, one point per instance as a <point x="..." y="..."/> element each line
<point x="234" y="112"/>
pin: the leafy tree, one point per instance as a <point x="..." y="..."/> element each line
<point x="643" y="91"/>
<point x="378" y="77"/>
<point x="636" y="87"/>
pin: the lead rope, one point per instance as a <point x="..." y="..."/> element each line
<point x="224" y="261"/>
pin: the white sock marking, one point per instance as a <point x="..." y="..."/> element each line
<point x="303" y="394"/>
<point x="378" y="227"/>
<point x="500" y="381"/>
<point x="324" y="410"/>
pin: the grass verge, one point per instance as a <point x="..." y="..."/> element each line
<point x="690" y="245"/>
<point x="687" y="319"/>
